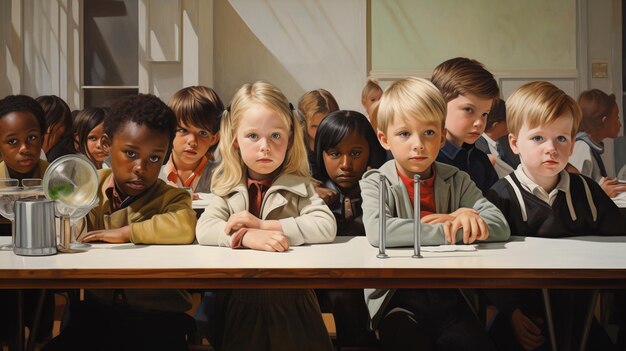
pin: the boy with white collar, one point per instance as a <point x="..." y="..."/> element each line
<point x="541" y="199"/>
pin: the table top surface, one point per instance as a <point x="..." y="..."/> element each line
<point x="522" y="260"/>
<point x="346" y="252"/>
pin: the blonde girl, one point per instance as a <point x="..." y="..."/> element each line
<point x="262" y="198"/>
<point x="314" y="107"/>
<point x="370" y="95"/>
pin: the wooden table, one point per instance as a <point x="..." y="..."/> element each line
<point x="350" y="262"/>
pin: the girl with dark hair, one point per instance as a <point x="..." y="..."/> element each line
<point x="88" y="131"/>
<point x="345" y="147"/>
<point x="58" y="140"/>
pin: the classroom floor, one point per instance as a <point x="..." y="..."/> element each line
<point x="202" y="345"/>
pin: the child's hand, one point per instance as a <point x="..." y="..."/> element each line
<point x="612" y="187"/>
<point x="526" y="332"/>
<point x="119" y="235"/>
<point x="474" y="228"/>
<point x="463" y="210"/>
<point x="240" y="220"/>
<point x="195" y="196"/>
<point x="265" y="240"/>
<point x="434" y="218"/>
<point x="444" y="217"/>
<point x="328" y="195"/>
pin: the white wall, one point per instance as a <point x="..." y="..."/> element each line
<point x="298" y="45"/>
<point x="39" y="41"/>
<point x="240" y="57"/>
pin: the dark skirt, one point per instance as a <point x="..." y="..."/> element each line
<point x="274" y="319"/>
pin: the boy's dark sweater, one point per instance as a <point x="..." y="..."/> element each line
<point x="471" y="160"/>
<point x="555" y="221"/>
<point x="551" y="221"/>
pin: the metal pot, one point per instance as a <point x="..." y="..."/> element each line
<point x="35" y="231"/>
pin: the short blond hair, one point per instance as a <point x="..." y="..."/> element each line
<point x="411" y="98"/>
<point x="230" y="172"/>
<point x="537" y="104"/>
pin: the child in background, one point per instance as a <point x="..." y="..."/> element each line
<point x="88" y="132"/>
<point x="411" y="116"/>
<point x="315" y="106"/>
<point x="600" y="120"/>
<point x="470" y="92"/>
<point x="495" y="141"/>
<point x="370" y="95"/>
<point x="22" y="126"/>
<point x="262" y="198"/>
<point x="135" y="206"/>
<point x="345" y="147"/>
<point x="58" y="140"/>
<point x="541" y="199"/>
<point x="198" y="110"/>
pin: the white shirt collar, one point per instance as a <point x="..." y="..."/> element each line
<point x="533" y="188"/>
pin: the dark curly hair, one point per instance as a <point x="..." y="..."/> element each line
<point x="142" y="109"/>
<point x="23" y="103"/>
<point x="337" y="126"/>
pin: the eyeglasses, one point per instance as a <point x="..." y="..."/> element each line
<point x="26" y="183"/>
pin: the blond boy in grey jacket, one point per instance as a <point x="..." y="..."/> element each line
<point x="410" y="124"/>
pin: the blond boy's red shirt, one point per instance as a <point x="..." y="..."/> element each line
<point x="427" y="192"/>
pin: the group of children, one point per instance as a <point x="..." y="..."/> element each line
<point x="279" y="177"/>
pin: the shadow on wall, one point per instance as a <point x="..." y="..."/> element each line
<point x="240" y="57"/>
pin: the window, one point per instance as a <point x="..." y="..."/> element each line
<point x="110" y="50"/>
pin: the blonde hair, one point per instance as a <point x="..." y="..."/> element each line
<point x="411" y="98"/>
<point x="317" y="101"/>
<point x="371" y="86"/>
<point x="539" y="103"/>
<point x="230" y="172"/>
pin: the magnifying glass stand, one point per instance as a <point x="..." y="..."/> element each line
<point x="65" y="242"/>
